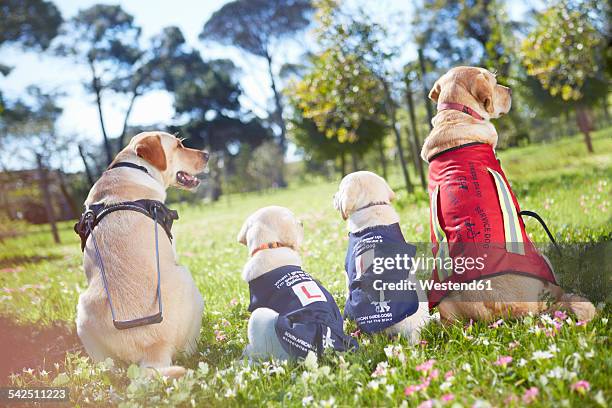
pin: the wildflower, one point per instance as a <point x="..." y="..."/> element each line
<point x="225" y="322"/>
<point x="219" y="335"/>
<point x="381" y="369"/>
<point x="447" y="397"/>
<point x="469" y="325"/>
<point x="426" y="366"/>
<point x="581" y="323"/>
<point x="423" y="343"/>
<point x="307" y="400"/>
<point x="426" y="404"/>
<point x="513" y="344"/>
<point x="434" y="374"/>
<point x="511" y="399"/>
<point x="356" y="333"/>
<point x="503" y="361"/>
<point x="581" y="387"/>
<point x="496" y="324"/>
<point x="411" y="389"/>
<point x="449" y="374"/>
<point x="233" y="302"/>
<point x="541" y="355"/>
<point x="560" y="315"/>
<point x="530" y="395"/>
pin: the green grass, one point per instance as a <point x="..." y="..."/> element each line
<point x="40" y="283"/>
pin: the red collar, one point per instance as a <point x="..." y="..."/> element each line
<point x="270" y="245"/>
<point x="459" y="107"/>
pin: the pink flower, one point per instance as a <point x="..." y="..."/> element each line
<point x="511" y="399"/>
<point x="233" y="302"/>
<point x="496" y="324"/>
<point x="513" y="344"/>
<point x="434" y="374"/>
<point x="469" y="325"/>
<point x="356" y="333"/>
<point x="219" y="335"/>
<point x="581" y="323"/>
<point x="411" y="389"/>
<point x="448" y="375"/>
<point x="530" y="395"/>
<point x="447" y="397"/>
<point x="426" y="404"/>
<point x="225" y="322"/>
<point x="503" y="361"/>
<point x="426" y="366"/>
<point x="423" y="343"/>
<point x="581" y="386"/>
<point x="560" y="315"/>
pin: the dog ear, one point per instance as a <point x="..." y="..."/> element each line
<point x="151" y="149"/>
<point x="482" y="90"/>
<point x="434" y="94"/>
<point x="340" y="203"/>
<point x="242" y="235"/>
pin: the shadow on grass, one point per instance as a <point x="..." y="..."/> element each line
<point x="18" y="260"/>
<point x="33" y="346"/>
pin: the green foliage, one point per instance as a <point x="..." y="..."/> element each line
<point x="31" y="23"/>
<point x="565" y="51"/>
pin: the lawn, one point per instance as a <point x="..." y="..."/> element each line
<point x="537" y="360"/>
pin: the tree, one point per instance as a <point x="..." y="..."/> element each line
<point x="107" y="40"/>
<point x="256" y="27"/>
<point x="565" y="52"/>
<point x="349" y="82"/>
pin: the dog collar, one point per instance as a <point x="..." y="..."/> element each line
<point x="130" y="165"/>
<point x="459" y="107"/>
<point x="270" y="245"/>
<point x="373" y="204"/>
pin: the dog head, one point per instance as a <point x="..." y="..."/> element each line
<point x="359" y="189"/>
<point x="177" y="164"/>
<point x="269" y="225"/>
<point x="473" y="87"/>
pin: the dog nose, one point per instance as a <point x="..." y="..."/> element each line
<point x="205" y="155"/>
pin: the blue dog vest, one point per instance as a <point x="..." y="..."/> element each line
<point x="375" y="310"/>
<point x="308" y="316"/>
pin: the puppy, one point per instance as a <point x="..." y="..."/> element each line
<point x="150" y="163"/>
<point x="292" y="314"/>
<point x="474" y="212"/>
<point x="364" y="199"/>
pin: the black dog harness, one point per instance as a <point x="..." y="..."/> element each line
<point x="157" y="211"/>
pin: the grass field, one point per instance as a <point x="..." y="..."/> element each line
<point x="539" y="360"/>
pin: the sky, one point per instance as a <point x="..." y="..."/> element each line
<point x="80" y="118"/>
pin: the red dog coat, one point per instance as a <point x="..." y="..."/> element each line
<point x="474" y="214"/>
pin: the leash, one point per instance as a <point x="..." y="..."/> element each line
<point x="535" y="215"/>
<point x="142" y="321"/>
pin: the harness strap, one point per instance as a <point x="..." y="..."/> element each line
<point x="142" y="321"/>
<point x="512" y="226"/>
<point x="535" y="215"/>
<point x="443" y="252"/>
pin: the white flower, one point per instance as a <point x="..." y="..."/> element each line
<point x="307" y="400"/>
<point x="553" y="348"/>
<point x="445" y="385"/>
<point x="556" y="372"/>
<point x="328" y="403"/>
<point x="521" y="362"/>
<point x="543" y="380"/>
<point x="467" y="367"/>
<point x="541" y="355"/>
<point x="310" y="362"/>
<point x="373" y="384"/>
<point x="390" y="389"/>
<point x="604" y="320"/>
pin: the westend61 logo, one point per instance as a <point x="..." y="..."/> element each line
<point x="404" y="262"/>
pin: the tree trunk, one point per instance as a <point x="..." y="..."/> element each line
<point x="44" y="188"/>
<point x="88" y="172"/>
<point x="584" y="124"/>
<point x="95" y="83"/>
<point x="425" y="90"/>
<point x="398" y="139"/>
<point x="604" y="100"/>
<point x="282" y="142"/>
<point x="343" y="164"/>
<point x="121" y="138"/>
<point x="418" y="163"/>
<point x="383" y="159"/>
<point x="67" y="196"/>
<point x="354" y="161"/>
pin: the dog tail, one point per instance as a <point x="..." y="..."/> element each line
<point x="170" y="371"/>
<point x="581" y="307"/>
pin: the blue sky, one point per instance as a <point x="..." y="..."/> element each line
<point x="80" y="115"/>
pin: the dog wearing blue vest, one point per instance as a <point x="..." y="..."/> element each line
<point x="364" y="201"/>
<point x="292" y="314"/>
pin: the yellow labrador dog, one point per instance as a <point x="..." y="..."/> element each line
<point x="152" y="162"/>
<point x="364" y="201"/>
<point x="472" y="203"/>
<point x="292" y="313"/>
